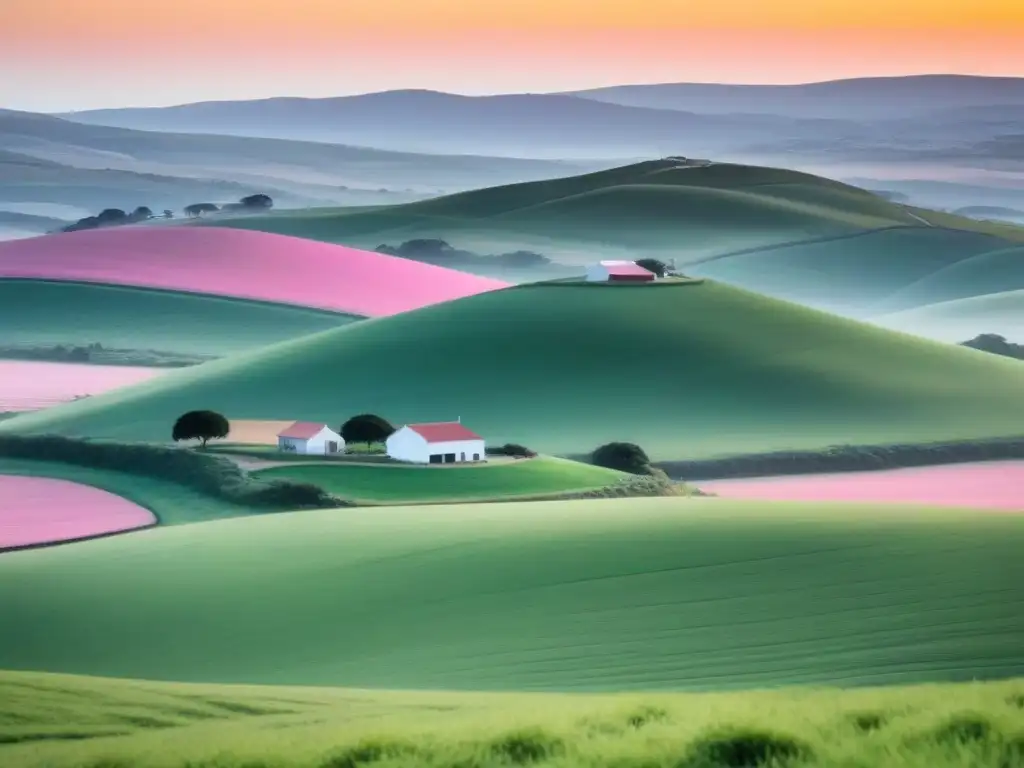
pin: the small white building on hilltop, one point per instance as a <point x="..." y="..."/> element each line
<point x="437" y="443"/>
<point x="311" y="438"/>
<point x="618" y="271"/>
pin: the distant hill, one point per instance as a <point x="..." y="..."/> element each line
<point x="873" y="98"/>
<point x="788" y="234"/>
<point x="687" y="371"/>
<point x="527" y="125"/>
<point x="48" y="159"/>
<point x="958" y="319"/>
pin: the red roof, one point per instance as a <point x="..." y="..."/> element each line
<point x="444" y="432"/>
<point x="302" y="430"/>
<point x="626" y="268"/>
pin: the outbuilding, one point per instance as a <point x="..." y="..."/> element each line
<point x="310" y="437"/>
<point x="618" y="271"/>
<point x="447" y="442"/>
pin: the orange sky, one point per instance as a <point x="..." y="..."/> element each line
<point x="65" y="52"/>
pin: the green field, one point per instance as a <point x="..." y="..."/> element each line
<point x="44" y="313"/>
<point x="173" y="504"/>
<point x="404" y="484"/>
<point x="57" y="721"/>
<point x="962" y="319"/>
<point x="646" y="205"/>
<point x="686" y="371"/>
<point x="634" y="594"/>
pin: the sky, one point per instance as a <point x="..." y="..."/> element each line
<point x="60" y="55"/>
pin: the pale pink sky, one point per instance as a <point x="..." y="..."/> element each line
<point x="72" y="54"/>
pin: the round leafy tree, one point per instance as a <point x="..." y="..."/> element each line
<point x="200" y="425"/>
<point x="366" y="428"/>
<point x="625" y="457"/>
<point x="257" y="201"/>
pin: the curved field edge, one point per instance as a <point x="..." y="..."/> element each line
<point x="49" y="312"/>
<point x="540" y="476"/>
<point x="61" y="721"/>
<point x="581" y="596"/>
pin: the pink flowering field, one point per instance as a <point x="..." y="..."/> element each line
<point x="41" y="510"/>
<point x="30" y="386"/>
<point x="241" y="264"/>
<point x="987" y="485"/>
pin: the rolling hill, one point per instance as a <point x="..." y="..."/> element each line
<point x="235" y="264"/>
<point x="514" y="125"/>
<point x="613" y="595"/>
<point x="788" y="234"/>
<point x="52" y="160"/>
<point x="46" y="313"/>
<point x="962" y="319"/>
<point x="687" y="370"/>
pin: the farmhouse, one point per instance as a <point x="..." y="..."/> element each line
<point x="310" y="438"/>
<point x="437" y="443"/>
<point x="618" y="271"/>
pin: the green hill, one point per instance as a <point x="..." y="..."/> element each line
<point x="65" y="721"/>
<point x="785" y="233"/>
<point x="687" y="371"/>
<point x="37" y="313"/>
<point x="409" y="485"/>
<point x="962" y="319"/>
<point x="629" y="594"/>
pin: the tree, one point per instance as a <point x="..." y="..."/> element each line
<point x="112" y="216"/>
<point x="142" y="213"/>
<point x="168" y="214"/>
<point x="996" y="345"/>
<point x="200" y="425"/>
<point x="198" y="209"/>
<point x="625" y="457"/>
<point x="260" y="201"/>
<point x="523" y="259"/>
<point x="658" y="267"/>
<point x="366" y="428"/>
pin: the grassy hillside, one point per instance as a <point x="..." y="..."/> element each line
<point x="527" y="477"/>
<point x="61" y="721"/>
<point x="651" y="205"/>
<point x="561" y="596"/>
<point x="962" y="319"/>
<point x="687" y="371"/>
<point x="43" y="313"/>
<point x="172" y="503"/>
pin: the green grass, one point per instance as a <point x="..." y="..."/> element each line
<point x="527" y="477"/>
<point x="172" y="504"/>
<point x="36" y="312"/>
<point x="686" y="371"/>
<point x="613" y="595"/>
<point x="646" y="205"/>
<point x="963" y="319"/>
<point x="153" y="725"/>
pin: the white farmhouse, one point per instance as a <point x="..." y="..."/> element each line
<point x="437" y="443"/>
<point x="310" y="437"/>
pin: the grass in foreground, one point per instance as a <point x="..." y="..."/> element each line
<point x="56" y="721"/>
<point x="659" y="593"/>
<point x="685" y="371"/>
<point x="394" y="484"/>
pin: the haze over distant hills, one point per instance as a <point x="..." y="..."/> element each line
<point x="46" y="160"/>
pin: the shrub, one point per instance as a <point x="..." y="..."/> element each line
<point x="625" y="457"/>
<point x="210" y="474"/>
<point x="744" y="748"/>
<point x="512" y="449"/>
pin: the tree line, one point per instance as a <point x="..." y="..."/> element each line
<point x="113" y="217"/>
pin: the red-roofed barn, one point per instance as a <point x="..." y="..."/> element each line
<point x="445" y="442"/>
<point x="310" y="437"/>
<point x="618" y="272"/>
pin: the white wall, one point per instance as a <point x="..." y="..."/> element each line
<point x="596" y="273"/>
<point x="408" y="445"/>
<point x="316" y="445"/>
